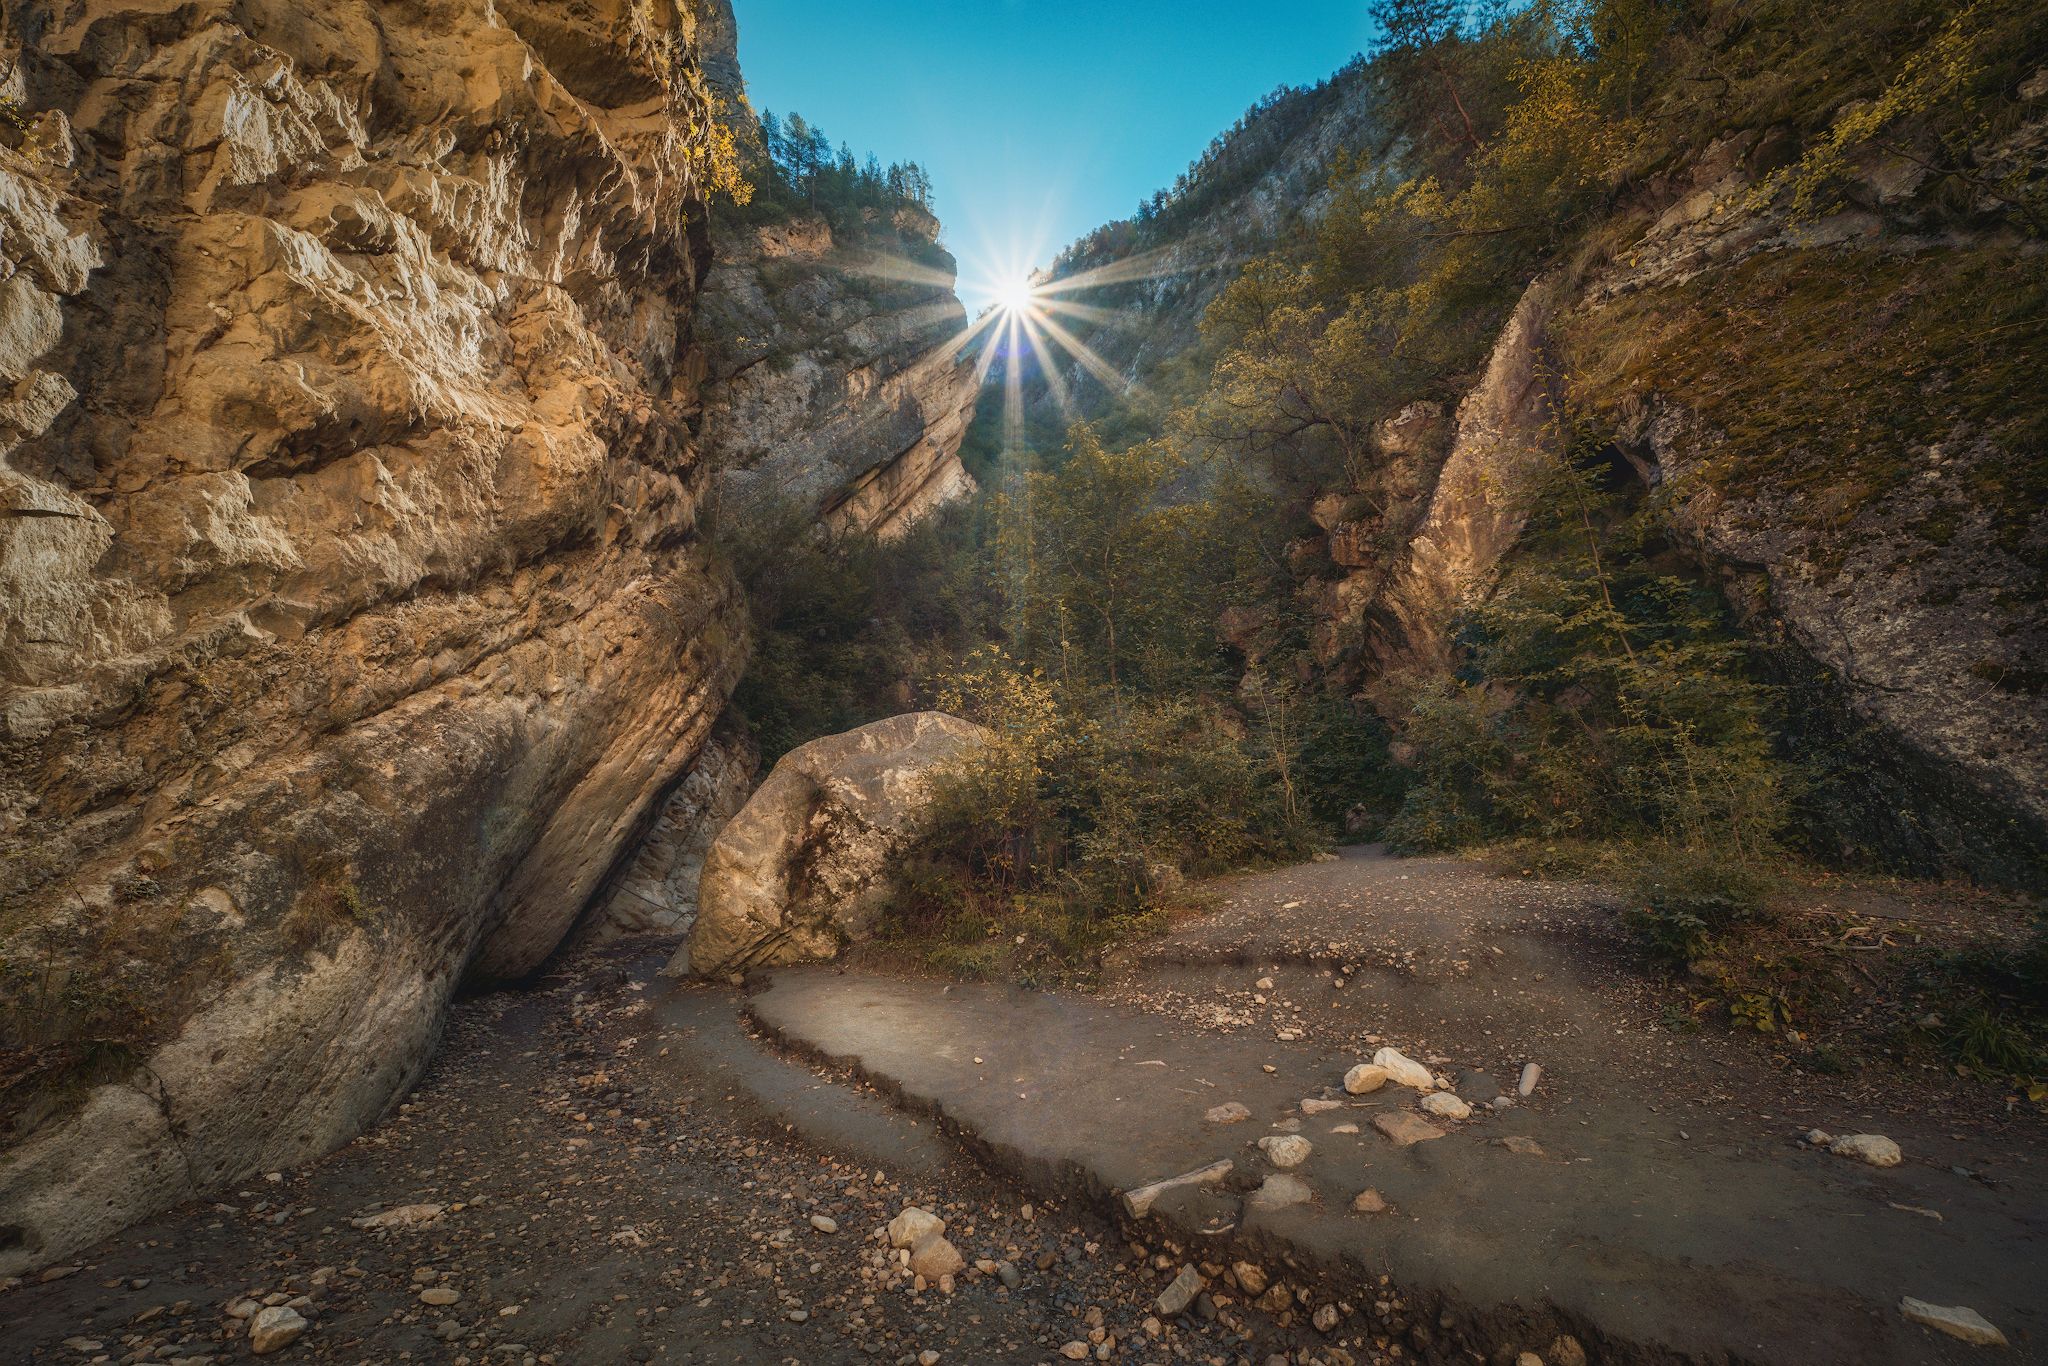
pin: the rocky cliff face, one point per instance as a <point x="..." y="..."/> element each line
<point x="1856" y="465"/>
<point x="1269" y="177"/>
<point x="836" y="380"/>
<point x="352" y="616"/>
<point x="1814" y="405"/>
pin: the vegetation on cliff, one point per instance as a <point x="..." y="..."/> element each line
<point x="1179" y="595"/>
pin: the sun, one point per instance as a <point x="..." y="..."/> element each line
<point x="1019" y="295"/>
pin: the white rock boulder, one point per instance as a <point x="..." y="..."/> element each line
<point x="1404" y="1070"/>
<point x="1874" y="1149"/>
<point x="806" y="866"/>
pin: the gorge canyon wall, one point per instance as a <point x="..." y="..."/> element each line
<point x="355" y="621"/>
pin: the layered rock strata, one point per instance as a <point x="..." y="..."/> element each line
<point x="352" y="614"/>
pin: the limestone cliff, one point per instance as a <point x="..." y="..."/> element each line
<point x="1825" y="410"/>
<point x="835" y="377"/>
<point x="352" y="615"/>
<point x="1259" y="182"/>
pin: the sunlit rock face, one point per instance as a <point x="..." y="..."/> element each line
<point x="837" y="384"/>
<point x="352" y="612"/>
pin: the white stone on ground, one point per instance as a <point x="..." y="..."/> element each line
<point x="1874" y="1149"/>
<point x="913" y="1226"/>
<point x="1446" y="1106"/>
<point x="1958" y="1321"/>
<point x="274" y="1329"/>
<point x="1286" y="1150"/>
<point x="1405" y="1070"/>
<point x="1365" y="1078"/>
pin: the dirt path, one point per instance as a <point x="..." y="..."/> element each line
<point x="627" y="1173"/>
<point x="623" y="1181"/>
<point x="1671" y="1207"/>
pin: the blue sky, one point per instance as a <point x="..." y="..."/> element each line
<point x="1038" y="119"/>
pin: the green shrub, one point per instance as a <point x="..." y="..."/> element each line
<point x="1682" y="900"/>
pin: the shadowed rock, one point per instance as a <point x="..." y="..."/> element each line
<point x="808" y="863"/>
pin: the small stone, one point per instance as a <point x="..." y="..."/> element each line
<point x="1286" y="1150"/>
<point x="1819" y="1138"/>
<point x="1444" y="1105"/>
<point x="1279" y="1191"/>
<point x="1528" y="1359"/>
<point x="1181" y="1292"/>
<point x="1009" y="1275"/>
<point x="1531" y="1074"/>
<point x="1263" y="984"/>
<point x="439" y="1294"/>
<point x="1316" y="1106"/>
<point x="243" y="1308"/>
<point x="913" y="1226"/>
<point x="936" y="1257"/>
<point x="1251" y="1278"/>
<point x="1230" y="1112"/>
<point x="927" y="1358"/>
<point x="1405" y="1129"/>
<point x="1566" y="1351"/>
<point x="1364" y="1079"/>
<point x="1369" y="1202"/>
<point x="1404" y="1070"/>
<point x="275" y="1329"/>
<point x="824" y="1223"/>
<point x="1325" y="1318"/>
<point x="1874" y="1149"/>
<point x="1075" y="1351"/>
<point x="1957" y="1321"/>
<point x="1516" y="1143"/>
<point x="799" y="1315"/>
<point x="1345" y="1128"/>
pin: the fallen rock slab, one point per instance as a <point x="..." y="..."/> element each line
<point x="1405" y="1129"/>
<point x="1138" y="1203"/>
<point x="1958" y="1321"/>
<point x="1404" y="1070"/>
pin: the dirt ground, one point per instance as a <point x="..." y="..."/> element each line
<point x="620" y="1184"/>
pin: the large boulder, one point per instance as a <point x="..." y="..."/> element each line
<point x="806" y="865"/>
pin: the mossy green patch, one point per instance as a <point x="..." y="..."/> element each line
<point x="1833" y="373"/>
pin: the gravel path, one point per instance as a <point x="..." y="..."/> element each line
<point x="617" y="1183"/>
